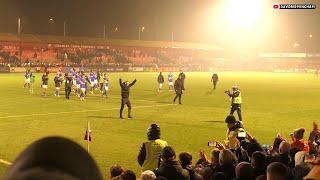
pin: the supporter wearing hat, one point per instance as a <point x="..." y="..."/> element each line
<point x="151" y="150"/>
<point x="298" y="141"/>
<point x="54" y="158"/>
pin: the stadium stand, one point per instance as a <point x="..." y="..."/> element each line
<point x="56" y="50"/>
<point x="39" y="50"/>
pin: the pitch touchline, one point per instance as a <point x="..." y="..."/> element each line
<point x="70" y="112"/>
<point x="116" y="97"/>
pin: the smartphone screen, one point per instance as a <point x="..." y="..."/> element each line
<point x="212" y="144"/>
<point x="242" y="134"/>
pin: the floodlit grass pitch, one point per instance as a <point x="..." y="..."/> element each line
<point x="272" y="103"/>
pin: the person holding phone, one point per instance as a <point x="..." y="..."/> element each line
<point x="314" y="139"/>
<point x="235" y="132"/>
<point x="236" y="101"/>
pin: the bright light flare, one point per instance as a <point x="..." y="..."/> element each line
<point x="242" y="13"/>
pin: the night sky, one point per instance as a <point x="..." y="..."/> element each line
<point x="160" y="17"/>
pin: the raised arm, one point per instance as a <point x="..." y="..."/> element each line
<point x="228" y="93"/>
<point x="133" y="82"/>
<point x="120" y="82"/>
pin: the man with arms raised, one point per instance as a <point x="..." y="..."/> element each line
<point x="125" y="91"/>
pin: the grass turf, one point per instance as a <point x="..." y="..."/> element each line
<point x="272" y="103"/>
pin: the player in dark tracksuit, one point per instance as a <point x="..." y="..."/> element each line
<point x="57" y="82"/>
<point x="125" y="91"/>
<point x="178" y="87"/>
<point x="183" y="77"/>
<point x="160" y="81"/>
<point x="214" y="80"/>
<point x="44" y="85"/>
<point x="98" y="78"/>
<point x="68" y="85"/>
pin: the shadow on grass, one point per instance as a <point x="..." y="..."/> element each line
<point x="213" y="121"/>
<point x="211" y="92"/>
<point x="102" y="117"/>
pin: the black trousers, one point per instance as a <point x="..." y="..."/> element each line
<point x="178" y="95"/>
<point x="67" y="92"/>
<point x="125" y="101"/>
<point x="236" y="107"/>
<point x="101" y="86"/>
<point x="214" y="84"/>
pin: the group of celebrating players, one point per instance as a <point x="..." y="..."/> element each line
<point x="76" y="81"/>
<point x="80" y="82"/>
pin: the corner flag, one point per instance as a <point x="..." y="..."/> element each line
<point x="87" y="136"/>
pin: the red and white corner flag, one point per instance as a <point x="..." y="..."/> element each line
<point x="87" y="135"/>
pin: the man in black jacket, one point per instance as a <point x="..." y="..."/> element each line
<point x="68" y="85"/>
<point x="170" y="168"/>
<point x="44" y="85"/>
<point x="160" y="81"/>
<point x="57" y="82"/>
<point x="214" y="80"/>
<point x="182" y="76"/>
<point x="178" y="87"/>
<point x="125" y="90"/>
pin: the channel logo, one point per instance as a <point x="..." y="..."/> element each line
<point x="294" y="6"/>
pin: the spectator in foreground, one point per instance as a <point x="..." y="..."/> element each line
<point x="314" y="174"/>
<point x="115" y="171"/>
<point x="218" y="176"/>
<point x="185" y="159"/>
<point x="54" y="158"/>
<point x="161" y="178"/>
<point x="244" y="171"/>
<point x="259" y="163"/>
<point x="277" y="171"/>
<point x="227" y="162"/>
<point x="128" y="175"/>
<point x="234" y="127"/>
<point x="276" y="143"/>
<point x="170" y="168"/>
<point x="301" y="168"/>
<point x="283" y="155"/>
<point x="147" y="175"/>
<point x="298" y="141"/>
<point x="261" y="177"/>
<point x="214" y="159"/>
<point x="314" y="139"/>
<point x="151" y="150"/>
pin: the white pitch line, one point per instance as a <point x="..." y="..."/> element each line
<point x="117" y="97"/>
<point x="112" y="97"/>
<point x="70" y="112"/>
